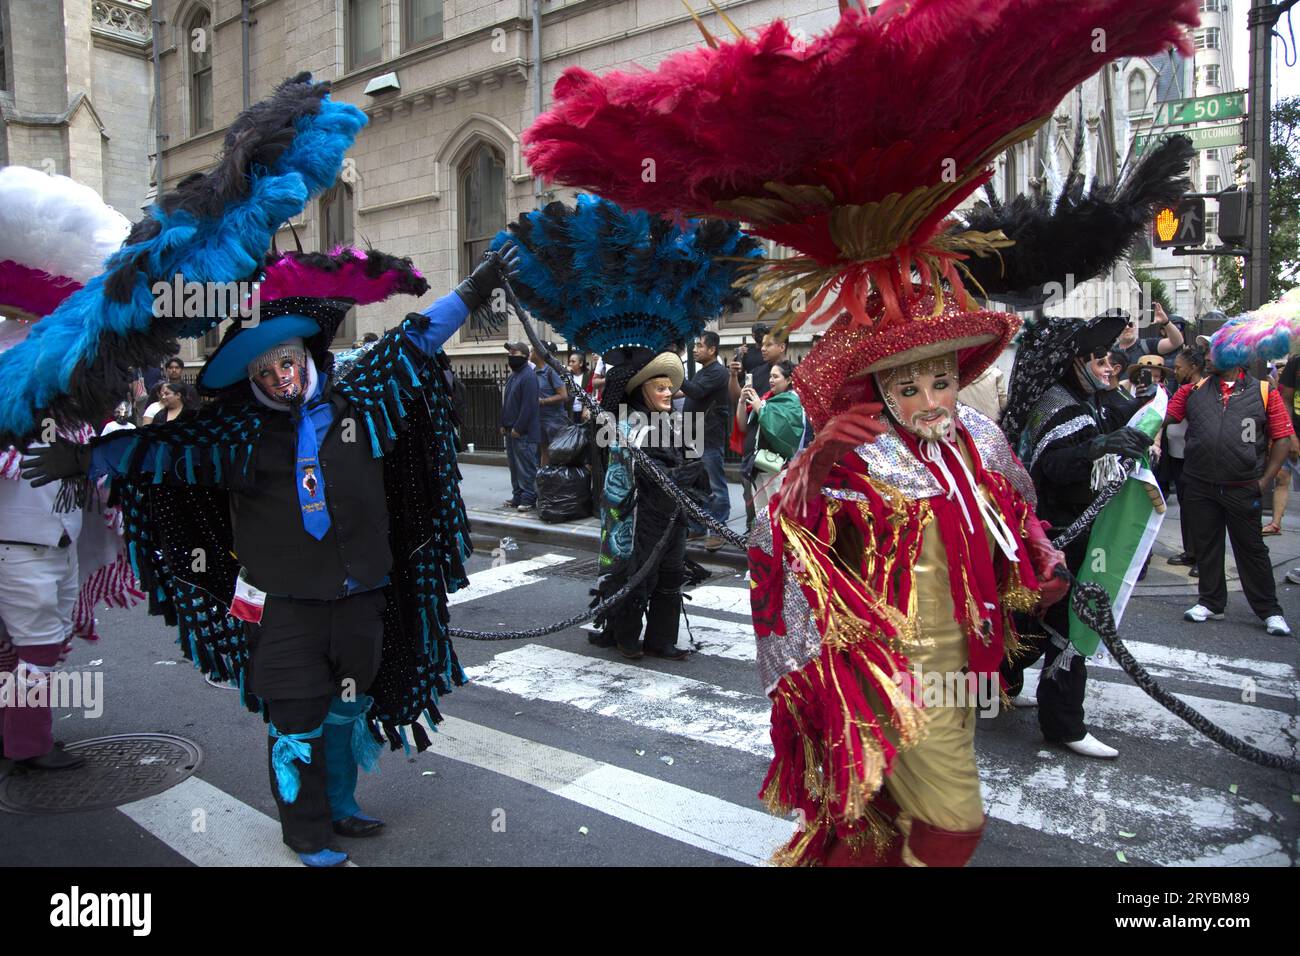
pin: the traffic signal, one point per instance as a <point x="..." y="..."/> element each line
<point x="1179" y="224"/>
<point x="1234" y="220"/>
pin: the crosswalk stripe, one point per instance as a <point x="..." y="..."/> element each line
<point x="667" y="702"/>
<point x="735" y="640"/>
<point x="209" y="827"/>
<point x="1124" y="707"/>
<point x="1270" y="678"/>
<point x="698" y="819"/>
<point x="1179" y="821"/>
<point x="718" y="597"/>
<point x="503" y="577"/>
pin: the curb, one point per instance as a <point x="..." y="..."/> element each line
<point x="489" y="527"/>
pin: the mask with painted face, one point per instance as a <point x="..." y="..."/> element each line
<point x="922" y="396"/>
<point x="280" y="373"/>
<point x="1093" y="372"/>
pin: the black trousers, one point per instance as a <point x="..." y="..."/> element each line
<point x="1060" y="697"/>
<point x="303" y="655"/>
<point x="1208" y="512"/>
<point x="663" y="610"/>
<point x="1175" y="471"/>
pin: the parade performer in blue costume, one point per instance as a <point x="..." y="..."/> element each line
<point x="628" y="285"/>
<point x="323" y="500"/>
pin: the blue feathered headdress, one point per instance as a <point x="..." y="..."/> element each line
<point x="606" y="278"/>
<point x="214" y="227"/>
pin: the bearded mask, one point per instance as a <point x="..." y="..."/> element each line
<point x="922" y="396"/>
<point x="280" y="373"/>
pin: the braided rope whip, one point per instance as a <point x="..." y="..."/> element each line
<point x="594" y="611"/>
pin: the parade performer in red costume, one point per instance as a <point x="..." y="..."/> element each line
<point x="899" y="539"/>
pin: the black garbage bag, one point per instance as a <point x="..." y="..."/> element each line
<point x="563" y="492"/>
<point x="569" y="446"/>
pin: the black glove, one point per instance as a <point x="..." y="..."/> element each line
<point x="1126" y="442"/>
<point x="487" y="275"/>
<point x="62" y="459"/>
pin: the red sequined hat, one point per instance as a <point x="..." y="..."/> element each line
<point x="836" y="374"/>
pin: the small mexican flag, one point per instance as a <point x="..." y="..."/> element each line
<point x="1124" y="531"/>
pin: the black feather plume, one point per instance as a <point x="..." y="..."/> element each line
<point x="1083" y="237"/>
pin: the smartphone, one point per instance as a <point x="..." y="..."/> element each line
<point x="1144" y="377"/>
<point x="749" y="380"/>
<point x="735" y="356"/>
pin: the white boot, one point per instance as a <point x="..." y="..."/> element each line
<point x="1090" y="746"/>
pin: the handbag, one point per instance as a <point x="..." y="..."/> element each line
<point x="768" y="461"/>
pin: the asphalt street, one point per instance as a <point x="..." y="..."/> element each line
<point x="560" y="753"/>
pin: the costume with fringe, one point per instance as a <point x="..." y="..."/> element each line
<point x="355" y="477"/>
<point x="629" y="285"/>
<point x="54" y="235"/>
<point x="913" y="101"/>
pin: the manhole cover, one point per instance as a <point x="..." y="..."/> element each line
<point x="118" y="770"/>
<point x="587" y="568"/>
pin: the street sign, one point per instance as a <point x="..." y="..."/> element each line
<point x="1179" y="224"/>
<point x="1203" y="137"/>
<point x="1202" y="109"/>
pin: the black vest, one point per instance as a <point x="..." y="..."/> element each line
<point x="270" y="541"/>
<point x="1226" y="444"/>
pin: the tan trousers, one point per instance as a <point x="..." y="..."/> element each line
<point x="937" y="780"/>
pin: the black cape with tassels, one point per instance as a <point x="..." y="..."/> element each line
<point x="182" y="503"/>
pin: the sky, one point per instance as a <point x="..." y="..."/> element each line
<point x="1286" y="79"/>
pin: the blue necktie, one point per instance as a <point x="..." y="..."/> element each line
<point x="311" y="482"/>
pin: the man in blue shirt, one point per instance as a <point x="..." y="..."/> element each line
<point x="553" y="397"/>
<point x="521" y="426"/>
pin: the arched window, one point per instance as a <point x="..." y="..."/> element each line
<point x="335" y="231"/>
<point x="363" y="40"/>
<point x="481" y="184"/>
<point x="1010" y="175"/>
<point x="198" y="38"/>
<point x="1137" y="92"/>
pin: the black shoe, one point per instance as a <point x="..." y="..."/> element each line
<point x="1183" y="560"/>
<point x="670" y="653"/>
<point x="631" y="653"/>
<point x="56" y="759"/>
<point x="601" y="639"/>
<point x="1194" y="573"/>
<point x="357" y="827"/>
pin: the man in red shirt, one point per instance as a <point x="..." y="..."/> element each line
<point x="1231" y="420"/>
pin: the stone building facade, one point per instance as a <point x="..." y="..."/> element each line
<point x="76" y="93"/>
<point x="449" y="86"/>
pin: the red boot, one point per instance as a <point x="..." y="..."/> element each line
<point x="934" y="847"/>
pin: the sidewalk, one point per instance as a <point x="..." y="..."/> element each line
<point x="485" y="487"/>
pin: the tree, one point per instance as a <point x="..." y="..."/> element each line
<point x="1283" y="213"/>
<point x="1146" y="279"/>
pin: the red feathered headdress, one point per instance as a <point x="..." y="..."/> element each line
<point x="851" y="148"/>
